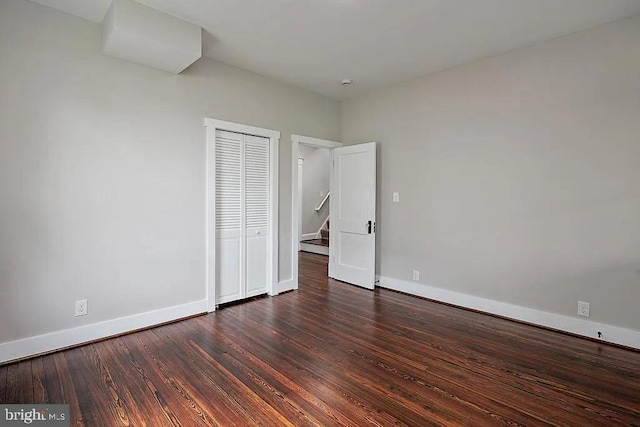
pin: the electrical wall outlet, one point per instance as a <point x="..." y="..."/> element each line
<point x="416" y="275"/>
<point x="82" y="307"/>
<point x="583" y="309"/>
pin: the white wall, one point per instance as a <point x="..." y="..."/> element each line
<point x="519" y="175"/>
<point x="102" y="171"/>
<point x="315" y="186"/>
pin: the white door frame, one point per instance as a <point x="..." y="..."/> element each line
<point x="299" y="201"/>
<point x="296" y="140"/>
<point x="272" y="256"/>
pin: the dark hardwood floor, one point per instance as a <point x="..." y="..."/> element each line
<point x="332" y="354"/>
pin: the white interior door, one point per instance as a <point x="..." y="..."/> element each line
<point x="352" y="242"/>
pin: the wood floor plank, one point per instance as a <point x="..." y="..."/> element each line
<point x="86" y="386"/>
<point x="243" y="394"/>
<point x="387" y="358"/>
<point x="317" y="399"/>
<point x="285" y="382"/>
<point x="202" y="379"/>
<point x="197" y="391"/>
<point x="272" y="391"/>
<point x="403" y="382"/>
<point x="165" y="387"/>
<point x="12" y="393"/>
<point x="25" y="382"/>
<point x="379" y="381"/>
<point x="3" y="383"/>
<point x="335" y="354"/>
<point x="39" y="381"/>
<point x="116" y="400"/>
<point x="153" y="357"/>
<point x="53" y="385"/>
<point x="318" y="377"/>
<point x="326" y="359"/>
<point x="68" y="393"/>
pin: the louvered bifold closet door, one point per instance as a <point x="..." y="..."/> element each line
<point x="256" y="186"/>
<point x="229" y="216"/>
<point x="242" y="215"/>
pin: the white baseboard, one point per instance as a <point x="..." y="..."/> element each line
<point x="286" y="285"/>
<point x="583" y="327"/>
<point x="309" y="236"/>
<point x="69" y="337"/>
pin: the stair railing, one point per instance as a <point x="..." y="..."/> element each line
<point x="323" y="201"/>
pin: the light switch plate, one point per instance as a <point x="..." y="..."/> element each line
<point x="396" y="197"/>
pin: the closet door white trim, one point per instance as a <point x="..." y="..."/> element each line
<point x="255" y="222"/>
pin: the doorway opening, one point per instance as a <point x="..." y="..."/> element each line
<point x="311" y="222"/>
<point x="314" y="164"/>
<point x="352" y="240"/>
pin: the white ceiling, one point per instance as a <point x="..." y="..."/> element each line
<point x="316" y="43"/>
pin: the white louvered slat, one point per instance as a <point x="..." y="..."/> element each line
<point x="228" y="180"/>
<point x="256" y="182"/>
